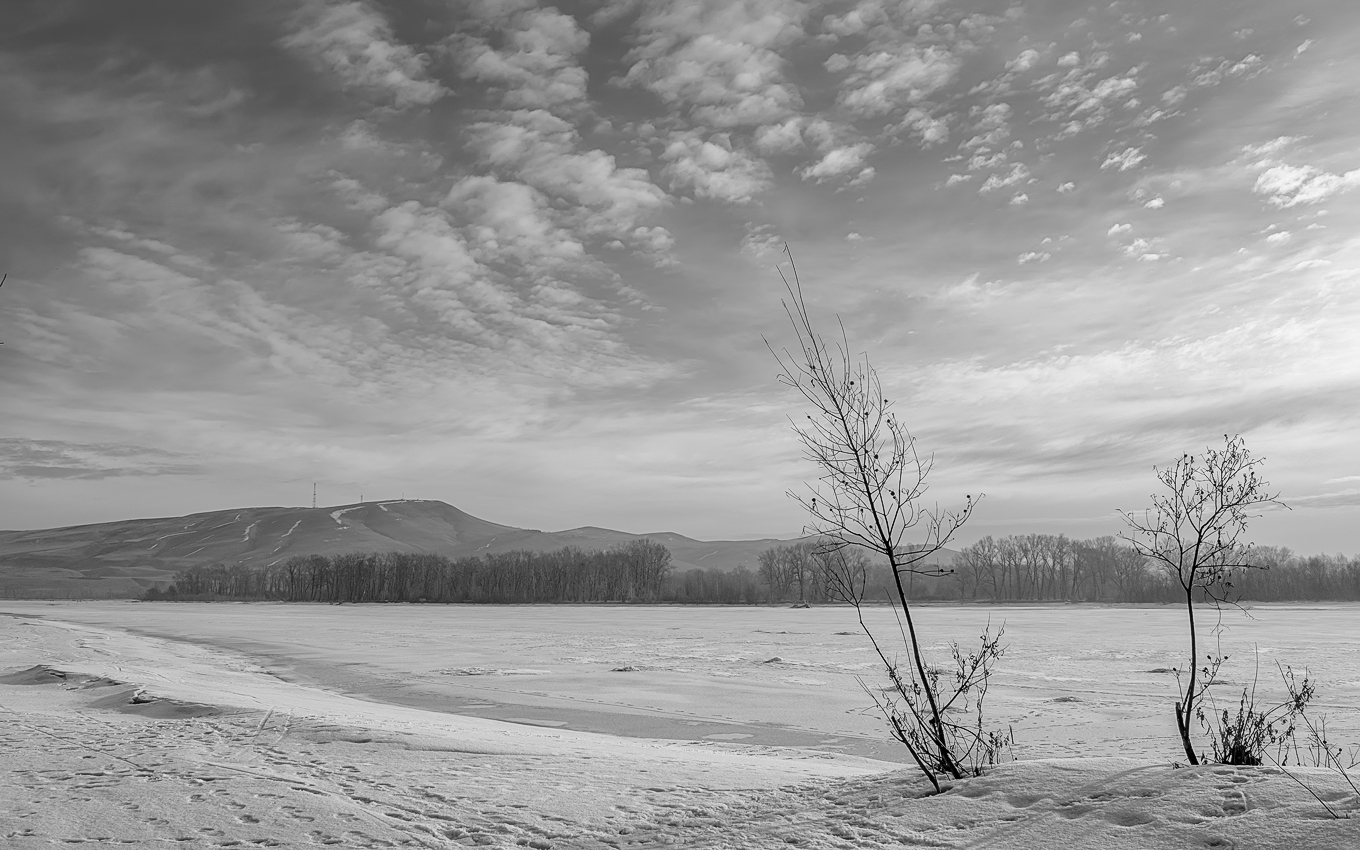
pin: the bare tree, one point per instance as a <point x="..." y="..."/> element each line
<point x="870" y="495"/>
<point x="1194" y="532"/>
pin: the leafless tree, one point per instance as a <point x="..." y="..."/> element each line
<point x="1194" y="531"/>
<point x="871" y="496"/>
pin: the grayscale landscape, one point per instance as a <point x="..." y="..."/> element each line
<point x="740" y="424"/>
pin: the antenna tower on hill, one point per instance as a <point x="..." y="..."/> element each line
<point x="313" y="494"/>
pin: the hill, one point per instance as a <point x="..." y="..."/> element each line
<point x="123" y="559"/>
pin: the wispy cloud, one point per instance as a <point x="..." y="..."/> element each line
<point x="38" y="460"/>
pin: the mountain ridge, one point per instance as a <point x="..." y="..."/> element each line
<point x="124" y="558"/>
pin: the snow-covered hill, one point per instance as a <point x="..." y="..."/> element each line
<point x="123" y="559"/>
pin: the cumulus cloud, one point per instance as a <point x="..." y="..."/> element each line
<point x="543" y="151"/>
<point x="1141" y="249"/>
<point x="855" y="21"/>
<point x="535" y="65"/>
<point x="780" y="138"/>
<point x="511" y="218"/>
<point x="884" y="81"/>
<point x="712" y="168"/>
<point x="1288" y="186"/>
<point x="1026" y="60"/>
<point x="1075" y="97"/>
<point x="718" y="60"/>
<point x="1123" y="160"/>
<point x="1018" y="173"/>
<point x="1209" y="74"/>
<point x="657" y="244"/>
<point x="930" y="129"/>
<point x="838" y="162"/>
<point x="991" y="128"/>
<point x="1116" y="229"/>
<point x="356" y="42"/>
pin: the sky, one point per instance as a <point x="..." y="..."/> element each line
<point x="523" y="258"/>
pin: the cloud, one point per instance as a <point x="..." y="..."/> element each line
<point x="1141" y="249"/>
<point x="355" y="41"/>
<point x="762" y="242"/>
<point x="1207" y="74"/>
<point x="712" y="168"/>
<point x="1017" y="174"/>
<point x="855" y="21"/>
<point x="972" y="293"/>
<point x="657" y="244"/>
<point x="1288" y="186"/>
<point x="536" y="65"/>
<point x="1340" y="499"/>
<point x="511" y="218"/>
<point x="1123" y="160"/>
<point x="1155" y="204"/>
<point x="1075" y="98"/>
<point x="992" y="128"/>
<point x="1116" y="229"/>
<point x="718" y="61"/>
<point x="1034" y="257"/>
<point x="780" y="138"/>
<point x="1027" y="59"/>
<point x="543" y="151"/>
<point x="55" y="459"/>
<point x="1270" y="148"/>
<point x="885" y="81"/>
<point x="930" y="129"/>
<point x="838" y="162"/>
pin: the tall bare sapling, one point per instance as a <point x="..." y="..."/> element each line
<point x="870" y="497"/>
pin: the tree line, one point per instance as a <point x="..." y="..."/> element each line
<point x="1106" y="569"/>
<point x="1030" y="567"/>
<point x="1054" y="568"/>
<point x="635" y="572"/>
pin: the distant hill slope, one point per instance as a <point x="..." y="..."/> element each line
<point x="122" y="559"/>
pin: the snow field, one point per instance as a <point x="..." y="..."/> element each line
<point x="370" y="726"/>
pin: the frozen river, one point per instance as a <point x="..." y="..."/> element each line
<point x="1075" y="680"/>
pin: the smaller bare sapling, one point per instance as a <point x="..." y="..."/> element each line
<point x="1194" y="531"/>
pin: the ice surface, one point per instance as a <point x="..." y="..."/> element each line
<point x="425" y="725"/>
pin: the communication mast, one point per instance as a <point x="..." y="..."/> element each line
<point x="314" y="494"/>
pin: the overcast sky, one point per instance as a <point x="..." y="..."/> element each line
<point x="520" y="257"/>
